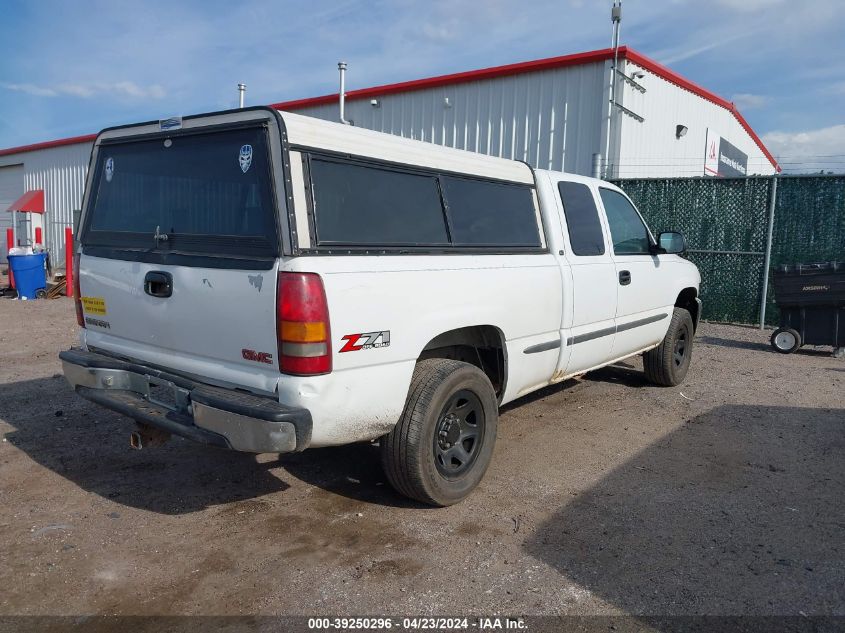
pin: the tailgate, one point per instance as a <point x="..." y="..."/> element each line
<point x="180" y="244"/>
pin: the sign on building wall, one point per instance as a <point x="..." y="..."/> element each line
<point x="721" y="158"/>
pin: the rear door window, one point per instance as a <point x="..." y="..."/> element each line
<point x="208" y="192"/>
<point x="586" y="236"/>
<point x="362" y="205"/>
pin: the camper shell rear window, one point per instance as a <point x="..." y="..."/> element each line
<point x="203" y="192"/>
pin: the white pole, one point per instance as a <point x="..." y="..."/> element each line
<point x="768" y="257"/>
<point x="616" y="19"/>
<point x="341" y="67"/>
<point x="241" y="91"/>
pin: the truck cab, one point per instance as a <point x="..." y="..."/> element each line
<point x="267" y="282"/>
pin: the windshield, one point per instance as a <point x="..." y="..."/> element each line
<point x="206" y="193"/>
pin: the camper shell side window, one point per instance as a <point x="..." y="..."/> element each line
<point x="364" y="205"/>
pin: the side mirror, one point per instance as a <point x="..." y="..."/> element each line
<point x="672" y="243"/>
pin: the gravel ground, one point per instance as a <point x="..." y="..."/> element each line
<point x="605" y="496"/>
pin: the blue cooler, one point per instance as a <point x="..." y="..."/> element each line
<point x="30" y="275"/>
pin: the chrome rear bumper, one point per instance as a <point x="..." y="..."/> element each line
<point x="211" y="415"/>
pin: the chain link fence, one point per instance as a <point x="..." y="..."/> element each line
<point x="726" y="220"/>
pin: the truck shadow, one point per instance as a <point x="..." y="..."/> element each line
<point x="352" y="471"/>
<point x="622" y="373"/>
<point x="89" y="446"/>
<point x="739" y="511"/>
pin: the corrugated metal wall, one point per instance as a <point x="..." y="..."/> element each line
<point x="11" y="188"/>
<point x="551" y="119"/>
<point x="60" y="172"/>
<point x="649" y="149"/>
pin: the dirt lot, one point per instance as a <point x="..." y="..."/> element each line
<point x="606" y="496"/>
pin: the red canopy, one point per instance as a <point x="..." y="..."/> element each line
<point x="31" y="201"/>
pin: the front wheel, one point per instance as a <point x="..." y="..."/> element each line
<point x="443" y="443"/>
<point x="667" y="364"/>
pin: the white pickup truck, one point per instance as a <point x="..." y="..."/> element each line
<point x="267" y="282"/>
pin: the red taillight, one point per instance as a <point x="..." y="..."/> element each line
<point x="302" y="324"/>
<point x="77" y="295"/>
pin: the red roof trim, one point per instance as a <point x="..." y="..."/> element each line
<point x="444" y="80"/>
<point x="31" y="202"/>
<point x="486" y="73"/>
<point x="48" y="144"/>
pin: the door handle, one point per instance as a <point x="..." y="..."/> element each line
<point x="158" y="284"/>
<point x="624" y="277"/>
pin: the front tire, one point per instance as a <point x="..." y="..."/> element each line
<point x="442" y="445"/>
<point x="667" y="364"/>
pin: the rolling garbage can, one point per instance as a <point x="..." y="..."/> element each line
<point x="30" y="276"/>
<point x="811" y="300"/>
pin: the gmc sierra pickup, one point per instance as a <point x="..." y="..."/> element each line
<point x="267" y="282"/>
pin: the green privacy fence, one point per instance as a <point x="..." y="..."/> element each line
<point x="726" y="223"/>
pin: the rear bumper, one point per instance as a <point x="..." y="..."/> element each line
<point x="211" y="415"/>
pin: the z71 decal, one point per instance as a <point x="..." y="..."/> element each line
<point x="367" y="340"/>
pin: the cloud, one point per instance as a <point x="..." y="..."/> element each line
<point x="748" y="101"/>
<point x="685" y="51"/>
<point x="117" y="89"/>
<point x="836" y="88"/>
<point x="809" y="150"/>
<point x="749" y="6"/>
<point x="31" y="89"/>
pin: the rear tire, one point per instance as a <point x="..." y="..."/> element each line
<point x="786" y="340"/>
<point x="443" y="443"/>
<point x="667" y="364"/>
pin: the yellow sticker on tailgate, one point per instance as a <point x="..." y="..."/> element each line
<point x="94" y="305"/>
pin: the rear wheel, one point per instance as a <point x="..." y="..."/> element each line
<point x="786" y="340"/>
<point x="667" y="364"/>
<point x="41" y="293"/>
<point x="443" y="443"/>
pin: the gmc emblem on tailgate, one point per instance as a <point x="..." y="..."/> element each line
<point x="258" y="357"/>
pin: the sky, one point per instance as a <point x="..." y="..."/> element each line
<point x="72" y="68"/>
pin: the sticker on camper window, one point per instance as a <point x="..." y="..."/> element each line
<point x="109" y="168"/>
<point x="245" y="157"/>
<point x="94" y="305"/>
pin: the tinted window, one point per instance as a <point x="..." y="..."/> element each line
<point x="490" y="214"/>
<point x="582" y="219"/>
<point x="630" y="236"/>
<point x="362" y="205"/>
<point x="194" y="188"/>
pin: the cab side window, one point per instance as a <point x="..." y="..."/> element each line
<point x="582" y="219"/>
<point x="629" y="233"/>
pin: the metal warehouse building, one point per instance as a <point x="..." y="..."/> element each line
<point x="554" y="113"/>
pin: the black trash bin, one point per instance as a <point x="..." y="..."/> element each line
<point x="811" y="299"/>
